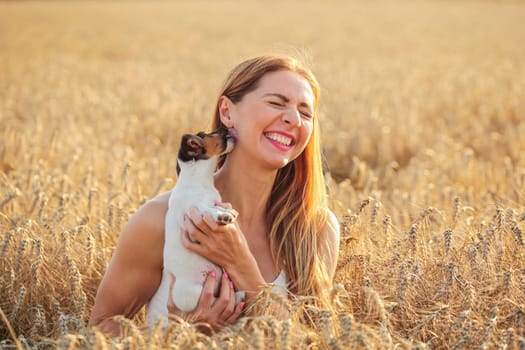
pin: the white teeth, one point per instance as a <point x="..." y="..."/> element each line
<point x="279" y="138"/>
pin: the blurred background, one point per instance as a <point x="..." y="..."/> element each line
<point x="399" y="78"/>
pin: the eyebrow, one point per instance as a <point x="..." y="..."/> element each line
<point x="285" y="99"/>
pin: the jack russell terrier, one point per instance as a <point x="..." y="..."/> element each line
<point x="197" y="162"/>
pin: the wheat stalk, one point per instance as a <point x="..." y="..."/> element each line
<point x="10" y="196"/>
<point x="20" y="253"/>
<point x="7" y="242"/>
<point x="19" y="302"/>
<point x="38" y="258"/>
<point x="448" y="239"/>
<point x="74" y="274"/>
<point x="412" y="238"/>
<point x="456" y="211"/>
<point x="11" y="331"/>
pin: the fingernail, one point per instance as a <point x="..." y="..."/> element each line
<point x="231" y="284"/>
<point x="213" y="273"/>
<point x="241" y="305"/>
<point x="215" y="202"/>
<point x="186" y="216"/>
<point x="226" y="274"/>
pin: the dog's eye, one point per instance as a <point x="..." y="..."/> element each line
<point x="201" y="134"/>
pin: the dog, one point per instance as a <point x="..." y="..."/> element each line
<point x="197" y="162"/>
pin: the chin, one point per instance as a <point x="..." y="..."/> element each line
<point x="279" y="164"/>
<point x="278" y="161"/>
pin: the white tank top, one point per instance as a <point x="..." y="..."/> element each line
<point x="158" y="308"/>
<point x="280" y="284"/>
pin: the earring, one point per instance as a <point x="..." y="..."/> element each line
<point x="229" y="124"/>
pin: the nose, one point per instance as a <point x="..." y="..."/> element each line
<point x="292" y="117"/>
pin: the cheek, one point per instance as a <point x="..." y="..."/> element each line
<point x="306" y="133"/>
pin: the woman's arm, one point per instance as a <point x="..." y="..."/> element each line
<point x="135" y="270"/>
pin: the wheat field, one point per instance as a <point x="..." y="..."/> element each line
<point x="423" y="125"/>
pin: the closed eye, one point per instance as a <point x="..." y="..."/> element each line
<point x="306" y="115"/>
<point x="281" y="101"/>
<point x="275" y="103"/>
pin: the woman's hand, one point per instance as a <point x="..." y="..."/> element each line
<point x="224" y="245"/>
<point x="218" y="313"/>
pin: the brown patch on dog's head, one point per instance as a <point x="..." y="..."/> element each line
<point x="216" y="142"/>
<point x="205" y="146"/>
<point x="192" y="147"/>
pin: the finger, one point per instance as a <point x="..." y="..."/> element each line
<point x="210" y="221"/>
<point x="227" y="206"/>
<point x="220" y="307"/>
<point x="188" y="243"/>
<point x="194" y="234"/>
<point x="224" y="297"/>
<point x="230" y="308"/>
<point x="206" y="297"/>
<point x="224" y="205"/>
<point x="236" y="313"/>
<point x="189" y="224"/>
<point x="198" y="220"/>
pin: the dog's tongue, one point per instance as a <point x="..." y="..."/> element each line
<point x="233" y="133"/>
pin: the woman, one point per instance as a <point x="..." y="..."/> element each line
<point x="284" y="232"/>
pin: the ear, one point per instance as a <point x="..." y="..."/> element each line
<point x="191" y="147"/>
<point x="195" y="146"/>
<point x="226" y="107"/>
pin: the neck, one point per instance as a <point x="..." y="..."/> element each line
<point x="247" y="189"/>
<point x="202" y="170"/>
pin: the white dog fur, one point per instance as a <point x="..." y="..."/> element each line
<point x="195" y="187"/>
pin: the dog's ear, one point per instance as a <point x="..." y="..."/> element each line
<point x="192" y="147"/>
<point x="195" y="144"/>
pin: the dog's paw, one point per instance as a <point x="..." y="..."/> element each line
<point x="225" y="218"/>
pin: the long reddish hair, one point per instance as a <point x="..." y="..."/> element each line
<point x="296" y="212"/>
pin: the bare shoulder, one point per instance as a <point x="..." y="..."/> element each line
<point x="151" y="215"/>
<point x="330" y="241"/>
<point x="157" y="207"/>
<point x="331" y="228"/>
<point x="145" y="228"/>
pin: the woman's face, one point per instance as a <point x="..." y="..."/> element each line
<point x="273" y="122"/>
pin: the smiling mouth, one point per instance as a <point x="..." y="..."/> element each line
<point x="283" y="140"/>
